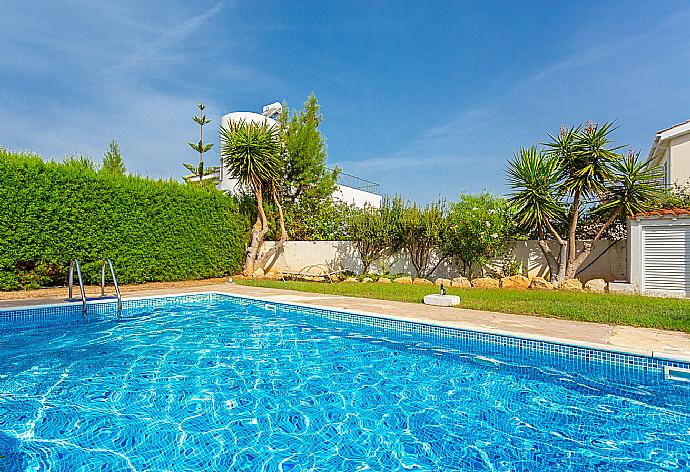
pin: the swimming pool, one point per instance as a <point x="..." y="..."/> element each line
<point x="214" y="382"/>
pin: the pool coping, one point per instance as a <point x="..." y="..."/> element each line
<point x="648" y="354"/>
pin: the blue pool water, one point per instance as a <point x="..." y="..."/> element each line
<point x="220" y="385"/>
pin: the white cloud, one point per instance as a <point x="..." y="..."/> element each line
<point x="93" y="102"/>
<point x="170" y="37"/>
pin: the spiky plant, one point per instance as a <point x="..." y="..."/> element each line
<point x="198" y="171"/>
<point x="633" y="189"/>
<point x="535" y="178"/>
<point x="581" y="168"/>
<point x="252" y="154"/>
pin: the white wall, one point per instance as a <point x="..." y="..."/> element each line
<point x="679" y="149"/>
<point x="358" y="198"/>
<point x="607" y="261"/>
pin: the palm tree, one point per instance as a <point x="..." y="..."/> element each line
<point x="633" y="189"/>
<point x="579" y="169"/>
<point x="252" y="154"/>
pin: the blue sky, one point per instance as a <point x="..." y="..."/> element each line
<point x="427" y="98"/>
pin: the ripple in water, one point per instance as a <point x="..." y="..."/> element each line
<point x="229" y="387"/>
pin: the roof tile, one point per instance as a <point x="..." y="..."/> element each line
<point x="665" y="212"/>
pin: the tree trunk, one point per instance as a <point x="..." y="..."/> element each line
<point x="418" y="258"/>
<point x="280" y="244"/>
<point x="251" y="249"/>
<point x="563" y="254"/>
<point x="550" y="259"/>
<point x="587" y="248"/>
<point x="572" y="243"/>
<point x="440" y="260"/>
<point x="574" y="265"/>
<point x="364" y="250"/>
<point x="562" y="264"/>
<point x="258" y="232"/>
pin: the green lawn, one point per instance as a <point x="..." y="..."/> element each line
<point x="632" y="310"/>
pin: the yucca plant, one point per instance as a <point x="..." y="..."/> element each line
<point x="633" y="189"/>
<point x="252" y="154"/>
<point x="580" y="168"/>
<point x="535" y="178"/>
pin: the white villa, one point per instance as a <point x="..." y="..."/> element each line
<point x="351" y="190"/>
<point x="671" y="150"/>
<point x="659" y="241"/>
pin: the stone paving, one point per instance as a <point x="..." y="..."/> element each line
<point x="644" y="341"/>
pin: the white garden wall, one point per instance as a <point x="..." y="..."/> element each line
<point x="608" y="260"/>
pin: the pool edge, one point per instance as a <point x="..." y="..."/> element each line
<point x="608" y="348"/>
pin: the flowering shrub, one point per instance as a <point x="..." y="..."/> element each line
<point x="481" y="227"/>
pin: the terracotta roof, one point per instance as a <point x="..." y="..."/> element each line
<point x="665" y="212"/>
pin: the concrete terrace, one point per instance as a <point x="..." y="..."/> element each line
<point x="642" y="341"/>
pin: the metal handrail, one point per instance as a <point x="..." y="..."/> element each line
<point x="73" y="263"/>
<point x="358" y="183"/>
<point x="117" y="287"/>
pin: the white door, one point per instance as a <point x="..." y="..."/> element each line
<point x="666" y="260"/>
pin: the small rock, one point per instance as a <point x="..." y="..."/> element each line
<point x="403" y="280"/>
<point x="485" y="282"/>
<point x="540" y="283"/>
<point x="596" y="286"/>
<point x="515" y="281"/>
<point x="445" y="282"/>
<point x="258" y="273"/>
<point x="462" y="282"/>
<point x="351" y="280"/>
<point x="571" y="285"/>
<point x="384" y="280"/>
<point x="366" y="280"/>
<point x="419" y="281"/>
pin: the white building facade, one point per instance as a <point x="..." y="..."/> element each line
<point x="351" y="190"/>
<point x="671" y="152"/>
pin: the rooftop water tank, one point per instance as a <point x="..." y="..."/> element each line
<point x="269" y="111"/>
<point x="247" y="117"/>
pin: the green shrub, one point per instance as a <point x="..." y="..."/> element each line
<point x="481" y="228"/>
<point x="153" y="230"/>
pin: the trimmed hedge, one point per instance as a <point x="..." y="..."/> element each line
<point x="153" y="230"/>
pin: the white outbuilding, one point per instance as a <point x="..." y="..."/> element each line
<point x="659" y="252"/>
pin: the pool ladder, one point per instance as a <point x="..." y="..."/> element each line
<point x="75" y="263"/>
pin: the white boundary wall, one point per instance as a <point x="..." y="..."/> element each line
<point x="607" y="261"/>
